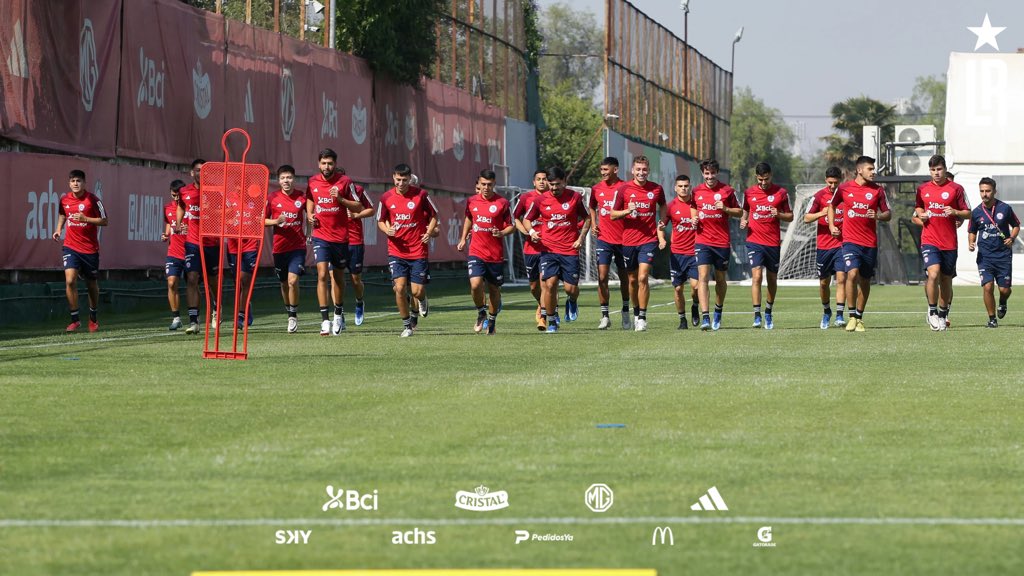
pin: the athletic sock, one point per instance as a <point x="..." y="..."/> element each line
<point x="407" y="322"/>
<point x="768" y="307"/>
<point x="827" y="306"/>
<point x="636" y="311"/>
<point x="324" y="313"/>
<point x="991" y="318"/>
<point x="92" y="314"/>
<point x="359" y="301"/>
<point x="718" y="308"/>
<point x="175" y="314"/>
<point x="682" y="315"/>
<point x="840" y="307"/>
<point x="757" y="310"/>
<point x="933" y="309"/>
<point x="694" y="310"/>
<point x="339" y="310"/>
<point x="293" y="311"/>
<point x="543" y="312"/>
<point x="491" y="317"/>
<point x="642" y="313"/>
<point x="943" y="312"/>
<point x="193" y="315"/>
<point x="860" y="314"/>
<point x="1003" y="299"/>
<point x="625" y="306"/>
<point x="551" y="319"/>
<point x="74" y="316"/>
<point x="604" y="310"/>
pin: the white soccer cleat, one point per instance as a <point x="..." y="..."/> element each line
<point x="193" y="328"/>
<point x="407" y="332"/>
<point x="424" y="307"/>
<point x="338" y="326"/>
<point x="293" y="325"/>
<point x="640" y="325"/>
<point x="934" y="322"/>
<point x="325" y="328"/>
<point x="175" y="324"/>
<point x="605" y="323"/>
<point x="943" y="325"/>
<point x="626" y="324"/>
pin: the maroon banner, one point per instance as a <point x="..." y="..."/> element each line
<point x="400" y="134"/>
<point x="172" y="82"/>
<point x="59" y="73"/>
<point x="252" y="94"/>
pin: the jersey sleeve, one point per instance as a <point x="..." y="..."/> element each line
<point x="581" y="210"/>
<point x="383" y="214"/>
<point x="532" y="211"/>
<point x="99" y="208"/>
<point x="731" y="201"/>
<point x="746" y="202"/>
<point x="784" y="205"/>
<point x="883" y="202"/>
<point x="592" y="200"/>
<point x="661" y="196"/>
<point x="1012" y="217"/>
<point x="960" y="203"/>
<point x="972" y="224"/>
<point x="429" y="210"/>
<point x="837" y="198"/>
<point x="919" y="199"/>
<point x="815" y="204"/>
<point x="506" y="215"/>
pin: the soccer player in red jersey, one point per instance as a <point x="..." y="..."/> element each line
<point x="829" y="257"/>
<point x="357" y="250"/>
<point x="559" y="214"/>
<point x="330" y="197"/>
<point x="764" y="207"/>
<point x="683" y="262"/>
<point x="714" y="202"/>
<point x="82" y="211"/>
<point x="408" y="218"/>
<point x="249" y="254"/>
<point x="174" y="266"/>
<point x="864" y="205"/>
<point x="641" y="200"/>
<point x="188" y="220"/>
<point x="608" y="232"/>
<point x="489" y="218"/>
<point x="533" y="247"/>
<point x="939" y="205"/>
<point x="286" y="210"/>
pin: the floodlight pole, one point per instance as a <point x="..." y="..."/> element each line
<point x="732" y="66"/>
<point x="684" y="5"/>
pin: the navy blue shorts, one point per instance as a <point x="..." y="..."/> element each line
<point x="761" y="256"/>
<point x="606" y="252"/>
<point x="634" y="256"/>
<point x="194" y="262"/>
<point x="946" y="259"/>
<point x="492" y="272"/>
<point x="416" y="271"/>
<point x="861" y="257"/>
<point x="355" y="258"/>
<point x="998" y="270"/>
<point x="532" y="263"/>
<point x="248" y="261"/>
<point x="565" y="268"/>
<point x="829" y="262"/>
<point x="291" y="262"/>
<point x="174" y="267"/>
<point x="683" y="267"/>
<point x="334" y="253"/>
<point x="712" y="256"/>
<point x="88" y="265"/>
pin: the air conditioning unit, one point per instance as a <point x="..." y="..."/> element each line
<point x="913" y="160"/>
<point x="872" y="142"/>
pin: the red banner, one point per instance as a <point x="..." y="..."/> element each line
<point x="172" y="82"/>
<point x="59" y="73"/>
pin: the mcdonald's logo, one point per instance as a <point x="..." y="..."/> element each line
<point x="659" y="536"/>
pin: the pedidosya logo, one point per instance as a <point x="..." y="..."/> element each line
<point x="481" y="499"/>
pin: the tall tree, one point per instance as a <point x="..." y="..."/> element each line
<point x="572" y="50"/>
<point x="397" y="37"/>
<point x="759" y="134"/>
<point x="928" y="103"/>
<point x="849" y="118"/>
<point x="571" y="124"/>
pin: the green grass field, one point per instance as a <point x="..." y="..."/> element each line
<point x="895" y="451"/>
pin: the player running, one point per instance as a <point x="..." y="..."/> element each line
<point x="608" y="232"/>
<point x="641" y="200"/>
<point x="82" y="212"/>
<point x="533" y="247"/>
<point x="998" y="227"/>
<point x="764" y="207"/>
<point x="357" y="250"/>
<point x="829" y="258"/>
<point x="188" y="220"/>
<point x="174" y="265"/>
<point x="489" y="218"/>
<point x="683" y="262"/>
<point x="286" y="210"/>
<point x="714" y="203"/>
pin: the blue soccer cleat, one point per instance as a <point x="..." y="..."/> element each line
<point x="769" y="324"/>
<point x="757" y="320"/>
<point x="359" y="313"/>
<point x="716" y="320"/>
<point x="572" y="311"/>
<point x="826" y="319"/>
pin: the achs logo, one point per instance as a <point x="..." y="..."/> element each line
<point x="458" y="143"/>
<point x="414" y="536"/>
<point x="359" y="121"/>
<point x="410" y="130"/>
<point x="88" y="70"/>
<point x="438" y="145"/>
<point x="349" y="500"/>
<point x="17" y="62"/>
<point x="391" y="124"/>
<point x="287" y="104"/>
<point x="202" y="92"/>
<point x="764" y="537"/>
<point x="481" y="500"/>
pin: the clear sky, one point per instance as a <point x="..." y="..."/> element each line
<point x="802" y="56"/>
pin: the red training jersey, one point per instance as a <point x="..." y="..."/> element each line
<point x="289" y="235"/>
<point x="826" y="241"/>
<point x="408" y="214"/>
<point x="762" y="227"/>
<point x="176" y="243"/>
<point x="488" y="216"/>
<point x="523" y="204"/>
<point x="330" y="214"/>
<point x="560" y="218"/>
<point x="939" y="229"/>
<point x="82" y="237"/>
<point x="640" y="227"/>
<point x="355" y="225"/>
<point x="190" y="200"/>
<point x="684" y="229"/>
<point x="856" y="200"/>
<point x="713" y="229"/>
<point x="602" y="201"/>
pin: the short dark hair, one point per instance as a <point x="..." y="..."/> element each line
<point x="540" y="171"/>
<point x="402" y="170"/>
<point x="937" y="160"/>
<point x="861" y="160"/>
<point x="76" y="174"/>
<point x="177" y="185"/>
<point x="762" y="168"/>
<point x="610" y="161"/>
<point x="709" y="164"/>
<point x="487" y="174"/>
<point x="988" y="180"/>
<point x="197" y="162"/>
<point x="556" y="173"/>
<point x="682" y="177"/>
<point x="285" y="168"/>
<point x="833" y="172"/>
<point x="327" y="153"/>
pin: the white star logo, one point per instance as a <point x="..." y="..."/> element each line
<point x="986" y="34"/>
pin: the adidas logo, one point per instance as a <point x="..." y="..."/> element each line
<point x="17" y="63"/>
<point x="710" y="501"/>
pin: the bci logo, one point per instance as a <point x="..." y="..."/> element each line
<point x="343" y="499"/>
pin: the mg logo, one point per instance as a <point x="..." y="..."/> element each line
<point x="88" y="70"/>
<point x="599" y="497"/>
<point x="661" y="534"/>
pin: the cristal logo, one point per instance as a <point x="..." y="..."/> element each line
<point x="329" y="125"/>
<point x="88" y="70"/>
<point x="202" y="92"/>
<point x="481" y="500"/>
<point x="287" y="104"/>
<point x="151" y="87"/>
<point x="410" y="130"/>
<point x="438" y="145"/>
<point x="349" y="500"/>
<point x="458" y="143"/>
<point x="359" y="121"/>
<point x="391" y="120"/>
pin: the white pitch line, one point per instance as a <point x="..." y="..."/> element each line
<point x="660" y="520"/>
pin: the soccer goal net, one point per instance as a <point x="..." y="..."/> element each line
<point x="799" y="241"/>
